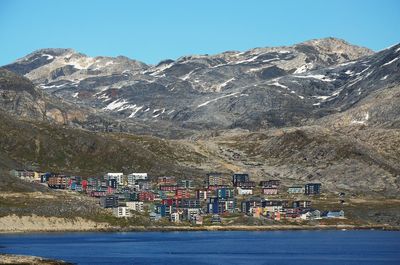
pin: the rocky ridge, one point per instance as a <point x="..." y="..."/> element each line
<point x="259" y="88"/>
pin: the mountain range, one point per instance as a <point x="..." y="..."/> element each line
<point x="322" y="110"/>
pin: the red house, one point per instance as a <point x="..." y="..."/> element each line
<point x="166" y="180"/>
<point x="146" y="196"/>
<point x="172" y="202"/>
<point x="270" y="191"/>
<point x="98" y="194"/>
<point x="168" y="187"/>
<point x="84" y="184"/>
<point x="182" y="194"/>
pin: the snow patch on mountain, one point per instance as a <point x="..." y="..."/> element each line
<point x="186" y="77"/>
<point x="303" y="68"/>
<point x="215" y="99"/>
<point x="158" y="112"/>
<point x="252" y="59"/>
<point x="321" y="97"/>
<point x="135" y="109"/>
<point x="115" y="104"/>
<point x="390" y="62"/>
<point x="159" y="69"/>
<point x="347" y="63"/>
<point x="355" y="81"/>
<point x="224" y="84"/>
<point x="44" y="86"/>
<point x="319" y="77"/>
<point x="276" y="83"/>
<point x="48" y="56"/>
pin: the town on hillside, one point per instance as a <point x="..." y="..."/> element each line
<point x="180" y="200"/>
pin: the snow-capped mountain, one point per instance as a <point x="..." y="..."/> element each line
<point x="262" y="87"/>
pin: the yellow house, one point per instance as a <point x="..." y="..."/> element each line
<point x="36" y="176"/>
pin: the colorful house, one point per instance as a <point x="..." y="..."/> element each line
<point x="311" y="215"/>
<point x="244" y="191"/>
<point x="110" y="201"/>
<point x="296" y="190"/>
<point x="214" y="179"/>
<point x="333" y="214"/>
<point x="301" y="204"/>
<point x="240" y="177"/>
<point x="166" y="180"/>
<point x="273" y="183"/>
<point x="185" y="184"/>
<point x="312" y="188"/>
<point x="216" y="205"/>
<point x="121" y="211"/>
<point x="270" y="190"/>
<point x="117" y="176"/>
<point x="175" y="218"/>
<point x="135" y="206"/>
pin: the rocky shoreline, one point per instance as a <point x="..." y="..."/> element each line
<point x="34" y="223"/>
<point x="40" y="224"/>
<point x="31" y="260"/>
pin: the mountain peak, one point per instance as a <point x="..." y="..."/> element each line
<point x="49" y="51"/>
<point x="339" y="47"/>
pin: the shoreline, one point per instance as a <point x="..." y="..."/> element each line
<point x="209" y="229"/>
<point x="27" y="259"/>
<point x="13" y="224"/>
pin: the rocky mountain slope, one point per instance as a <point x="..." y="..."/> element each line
<point x="20" y="97"/>
<point x="354" y="160"/>
<point x="259" y="88"/>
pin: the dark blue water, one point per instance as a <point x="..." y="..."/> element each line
<point x="278" y="247"/>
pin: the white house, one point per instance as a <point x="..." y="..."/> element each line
<point x="135" y="206"/>
<point x="273" y="208"/>
<point x="118" y="176"/>
<point x="175" y="217"/>
<point x="197" y="219"/>
<point x="334" y="214"/>
<point x="133" y="177"/>
<point x="311" y="215"/>
<point x="244" y="191"/>
<point x="121" y="212"/>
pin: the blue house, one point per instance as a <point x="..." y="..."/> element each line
<point x="161" y="209"/>
<point x="333" y="214"/>
<point x="312" y="188"/>
<point x="236" y="178"/>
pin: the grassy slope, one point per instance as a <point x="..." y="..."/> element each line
<point x="62" y="149"/>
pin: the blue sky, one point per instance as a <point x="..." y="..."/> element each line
<point x="150" y="30"/>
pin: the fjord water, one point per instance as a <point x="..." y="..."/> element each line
<point x="277" y="247"/>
